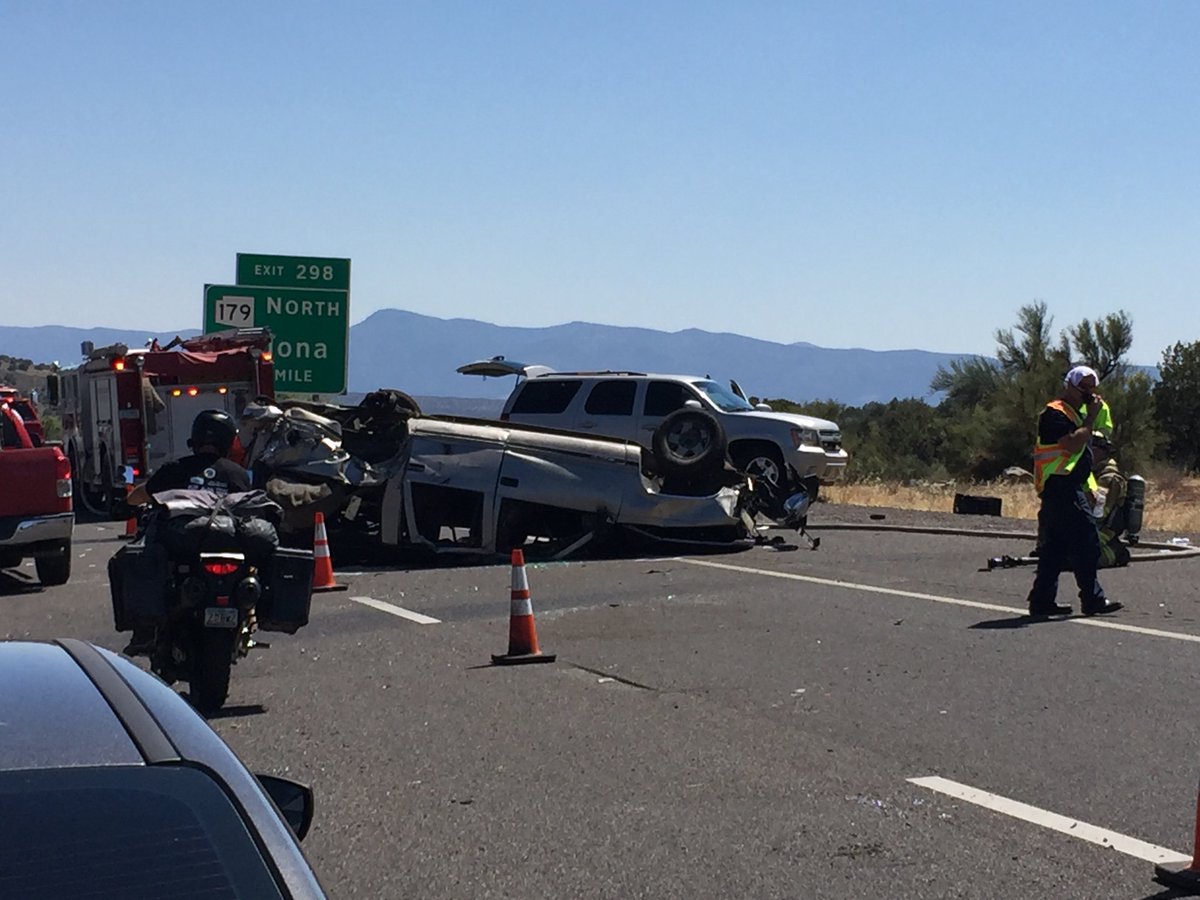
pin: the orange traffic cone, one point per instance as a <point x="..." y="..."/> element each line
<point x="522" y="632"/>
<point x="322" y="564"/>
<point x="1183" y="875"/>
<point x="131" y="523"/>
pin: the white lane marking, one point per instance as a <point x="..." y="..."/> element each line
<point x="1151" y="853"/>
<point x="937" y="598"/>
<point x="397" y="611"/>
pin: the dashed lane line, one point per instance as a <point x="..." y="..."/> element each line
<point x="1122" y="843"/>
<point x="937" y="598"/>
<point x="400" y="611"/>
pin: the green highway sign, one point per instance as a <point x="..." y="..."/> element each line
<point x="310" y="329"/>
<point x="310" y="272"/>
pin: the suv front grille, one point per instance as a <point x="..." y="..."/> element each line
<point x="831" y="441"/>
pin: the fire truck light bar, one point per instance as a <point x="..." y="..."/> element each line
<point x="194" y="391"/>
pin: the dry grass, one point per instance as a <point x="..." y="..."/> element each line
<point x="1172" y="500"/>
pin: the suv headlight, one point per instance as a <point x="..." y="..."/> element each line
<point x="803" y="436"/>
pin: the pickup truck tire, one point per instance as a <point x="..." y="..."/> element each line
<point x="689" y="444"/>
<point x="56" y="569"/>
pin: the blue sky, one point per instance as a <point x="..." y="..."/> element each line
<point x="884" y="175"/>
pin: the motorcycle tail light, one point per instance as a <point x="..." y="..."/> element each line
<point x="220" y="568"/>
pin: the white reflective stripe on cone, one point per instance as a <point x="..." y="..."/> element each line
<point x="519" y="581"/>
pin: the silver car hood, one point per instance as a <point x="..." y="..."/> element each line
<point x="794" y="419"/>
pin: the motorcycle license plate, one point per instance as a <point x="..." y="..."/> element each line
<point x="220" y="617"/>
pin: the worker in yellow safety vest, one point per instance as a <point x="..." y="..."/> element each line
<point x="1062" y="465"/>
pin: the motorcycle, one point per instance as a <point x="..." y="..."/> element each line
<point x="203" y="576"/>
<point x="209" y="626"/>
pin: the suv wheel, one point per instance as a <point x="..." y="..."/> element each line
<point x="689" y="443"/>
<point x="762" y="462"/>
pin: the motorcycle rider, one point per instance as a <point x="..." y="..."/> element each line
<point x="207" y="468"/>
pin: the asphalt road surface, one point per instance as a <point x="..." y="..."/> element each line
<point x="875" y="718"/>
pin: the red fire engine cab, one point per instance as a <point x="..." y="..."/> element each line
<point x="126" y="412"/>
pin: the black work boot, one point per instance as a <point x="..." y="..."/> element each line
<point x="1102" y="609"/>
<point x="1039" y="610"/>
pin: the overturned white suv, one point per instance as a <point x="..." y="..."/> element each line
<point x="386" y="476"/>
<point x="783" y="448"/>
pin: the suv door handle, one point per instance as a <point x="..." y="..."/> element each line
<point x="586" y="425"/>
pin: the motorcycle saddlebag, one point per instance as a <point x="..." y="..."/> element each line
<point x="285" y="603"/>
<point x="137" y="580"/>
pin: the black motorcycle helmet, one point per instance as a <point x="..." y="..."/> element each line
<point x="213" y="427"/>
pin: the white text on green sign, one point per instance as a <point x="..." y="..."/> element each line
<point x="309" y="329"/>
<point x="310" y="272"/>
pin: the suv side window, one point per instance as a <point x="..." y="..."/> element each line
<point x="664" y="397"/>
<point x="611" y="398"/>
<point x="545" y="397"/>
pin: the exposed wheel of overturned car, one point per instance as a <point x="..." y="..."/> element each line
<point x="689" y="445"/>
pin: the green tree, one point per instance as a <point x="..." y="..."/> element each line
<point x="997" y="402"/>
<point x="1177" y="403"/>
<point x="1103" y="344"/>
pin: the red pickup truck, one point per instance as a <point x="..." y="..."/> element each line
<point x="36" y="516"/>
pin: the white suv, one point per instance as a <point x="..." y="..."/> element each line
<point x="781" y="447"/>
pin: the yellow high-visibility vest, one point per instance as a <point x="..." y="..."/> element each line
<point x="1051" y="459"/>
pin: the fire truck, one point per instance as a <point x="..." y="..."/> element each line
<point x="127" y="411"/>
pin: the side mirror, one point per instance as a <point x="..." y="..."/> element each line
<point x="763" y="407"/>
<point x="692" y="404"/>
<point x="53" y="390"/>
<point x="295" y="801"/>
<point x="86" y="348"/>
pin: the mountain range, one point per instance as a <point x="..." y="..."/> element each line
<point x="419" y="354"/>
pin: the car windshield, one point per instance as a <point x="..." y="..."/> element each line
<point x="128" y="831"/>
<point x="723" y="398"/>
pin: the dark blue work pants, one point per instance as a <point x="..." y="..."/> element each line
<point x="1069" y="540"/>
